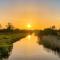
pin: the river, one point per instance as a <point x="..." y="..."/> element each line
<point x="28" y="49"/>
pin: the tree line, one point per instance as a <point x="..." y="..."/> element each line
<point x="10" y="29"/>
<point x="49" y="31"/>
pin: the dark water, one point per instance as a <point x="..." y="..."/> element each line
<point x="28" y="49"/>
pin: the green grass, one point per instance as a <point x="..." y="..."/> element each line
<point x="6" y="43"/>
<point x="6" y="39"/>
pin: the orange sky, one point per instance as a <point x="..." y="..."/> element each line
<point x="38" y="14"/>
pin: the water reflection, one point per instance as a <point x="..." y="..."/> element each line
<point x="28" y="49"/>
<point x="29" y="37"/>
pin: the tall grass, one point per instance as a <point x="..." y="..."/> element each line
<point x="50" y="38"/>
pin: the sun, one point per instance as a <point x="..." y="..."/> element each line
<point x="29" y="26"/>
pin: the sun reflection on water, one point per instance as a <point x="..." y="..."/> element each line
<point x="29" y="37"/>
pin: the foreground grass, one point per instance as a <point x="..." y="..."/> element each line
<point x="10" y="38"/>
<point x="6" y="43"/>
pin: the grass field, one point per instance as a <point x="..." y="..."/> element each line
<point x="6" y="43"/>
<point x="10" y="38"/>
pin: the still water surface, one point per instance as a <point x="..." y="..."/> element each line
<point x="28" y="49"/>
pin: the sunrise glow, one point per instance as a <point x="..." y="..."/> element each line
<point x="29" y="26"/>
<point x="20" y="13"/>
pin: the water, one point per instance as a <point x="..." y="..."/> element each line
<point x="28" y="49"/>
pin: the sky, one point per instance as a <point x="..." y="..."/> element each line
<point x="39" y="13"/>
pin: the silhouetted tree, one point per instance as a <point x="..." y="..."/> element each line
<point x="53" y="27"/>
<point x="10" y="27"/>
<point x="48" y="31"/>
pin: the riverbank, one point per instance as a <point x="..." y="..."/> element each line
<point x="50" y="38"/>
<point x="51" y="42"/>
<point x="11" y="37"/>
<point x="6" y="42"/>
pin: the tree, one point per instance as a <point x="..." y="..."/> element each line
<point x="10" y="27"/>
<point x="53" y="27"/>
